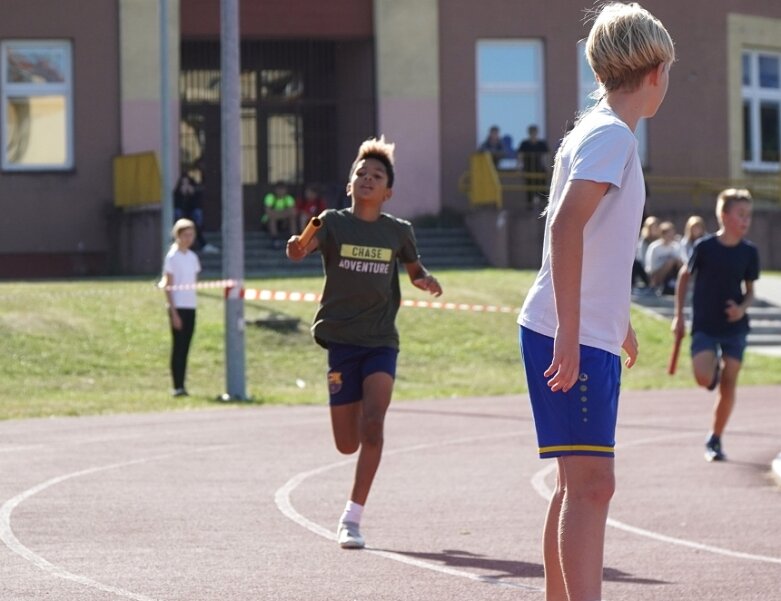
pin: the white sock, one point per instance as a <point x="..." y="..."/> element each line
<point x="352" y="512"/>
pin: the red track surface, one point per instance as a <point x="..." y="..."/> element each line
<point x="240" y="504"/>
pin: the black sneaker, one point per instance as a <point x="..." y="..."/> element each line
<point x="713" y="450"/>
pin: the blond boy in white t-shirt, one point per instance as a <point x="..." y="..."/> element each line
<point x="575" y="320"/>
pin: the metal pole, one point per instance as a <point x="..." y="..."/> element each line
<point x="232" y="210"/>
<point x="166" y="202"/>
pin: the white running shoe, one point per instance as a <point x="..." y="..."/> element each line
<point x="349" y="536"/>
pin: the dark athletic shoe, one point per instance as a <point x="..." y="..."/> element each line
<point x="713" y="450"/>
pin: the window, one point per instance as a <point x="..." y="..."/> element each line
<point x="285" y="148"/>
<point x="37" y="105"/>
<point x="509" y="88"/>
<point x="587" y="85"/>
<point x="761" y="79"/>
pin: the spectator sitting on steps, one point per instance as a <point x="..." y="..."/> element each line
<point x="663" y="260"/>
<point x="280" y="209"/>
<point x="187" y="205"/>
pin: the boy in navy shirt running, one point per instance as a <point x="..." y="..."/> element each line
<point x="726" y="267"/>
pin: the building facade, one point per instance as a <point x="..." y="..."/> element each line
<point x="319" y="77"/>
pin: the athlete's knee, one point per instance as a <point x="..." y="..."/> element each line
<point x="347" y="447"/>
<point x="704" y="373"/>
<point x="373" y="430"/>
<point x="703" y="379"/>
<point x="598" y="488"/>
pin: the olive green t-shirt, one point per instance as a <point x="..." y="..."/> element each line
<point x="361" y="293"/>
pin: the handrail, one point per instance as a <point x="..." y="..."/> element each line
<point x="765" y="188"/>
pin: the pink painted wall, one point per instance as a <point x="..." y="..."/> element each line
<point x="414" y="124"/>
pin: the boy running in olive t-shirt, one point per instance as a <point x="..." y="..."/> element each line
<point x="356" y="320"/>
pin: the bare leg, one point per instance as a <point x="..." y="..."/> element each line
<point x="703" y="365"/>
<point x="273" y="226"/>
<point x="291" y="221"/>
<point x="589" y="485"/>
<point x="670" y="267"/>
<point x="360" y="425"/>
<point x="725" y="401"/>
<point x="555" y="589"/>
<point x="377" y="391"/>
<point x="344" y="423"/>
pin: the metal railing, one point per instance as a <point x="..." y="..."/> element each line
<point x="484" y="185"/>
<point x="765" y="188"/>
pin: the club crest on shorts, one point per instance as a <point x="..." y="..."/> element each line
<point x="334" y="381"/>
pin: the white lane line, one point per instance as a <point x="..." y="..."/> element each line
<point x="283" y="502"/>
<point x="27" y="447"/>
<point x="539" y="484"/>
<point x="9" y="538"/>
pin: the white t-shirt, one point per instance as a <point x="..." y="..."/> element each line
<point x="602" y="149"/>
<point x="184" y="267"/>
<point x="658" y="253"/>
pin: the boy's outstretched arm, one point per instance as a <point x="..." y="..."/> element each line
<point x="421" y="278"/>
<point x="580" y="200"/>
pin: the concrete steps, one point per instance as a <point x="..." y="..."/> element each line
<point x="440" y="248"/>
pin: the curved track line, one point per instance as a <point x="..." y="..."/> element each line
<point x="9" y="538"/>
<point x="284" y="504"/>
<point x="539" y="484"/>
<point x="27" y="447"/>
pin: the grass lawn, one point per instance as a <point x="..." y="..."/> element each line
<point x="97" y="346"/>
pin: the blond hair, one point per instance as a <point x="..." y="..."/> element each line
<point x="181" y="225"/>
<point x="690" y="223"/>
<point x="666" y="227"/>
<point x="727" y="199"/>
<point x="380" y="150"/>
<point x="648" y="225"/>
<point x="626" y="43"/>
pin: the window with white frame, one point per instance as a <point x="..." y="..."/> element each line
<point x="761" y="110"/>
<point x="510" y="88"/>
<point x="587" y="86"/>
<point x="36" y="91"/>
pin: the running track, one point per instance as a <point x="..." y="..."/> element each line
<point x="240" y="504"/>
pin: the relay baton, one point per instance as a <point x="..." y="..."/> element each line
<point x="310" y="230"/>
<point x="674" y="356"/>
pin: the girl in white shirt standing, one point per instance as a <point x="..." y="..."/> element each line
<point x="180" y="273"/>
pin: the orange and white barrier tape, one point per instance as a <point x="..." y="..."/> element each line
<point x="458" y="307"/>
<point x="280" y="295"/>
<point x="311" y="297"/>
<point x="201" y="285"/>
<point x="260" y="294"/>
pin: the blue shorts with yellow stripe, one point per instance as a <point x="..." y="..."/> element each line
<point x="581" y="421"/>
